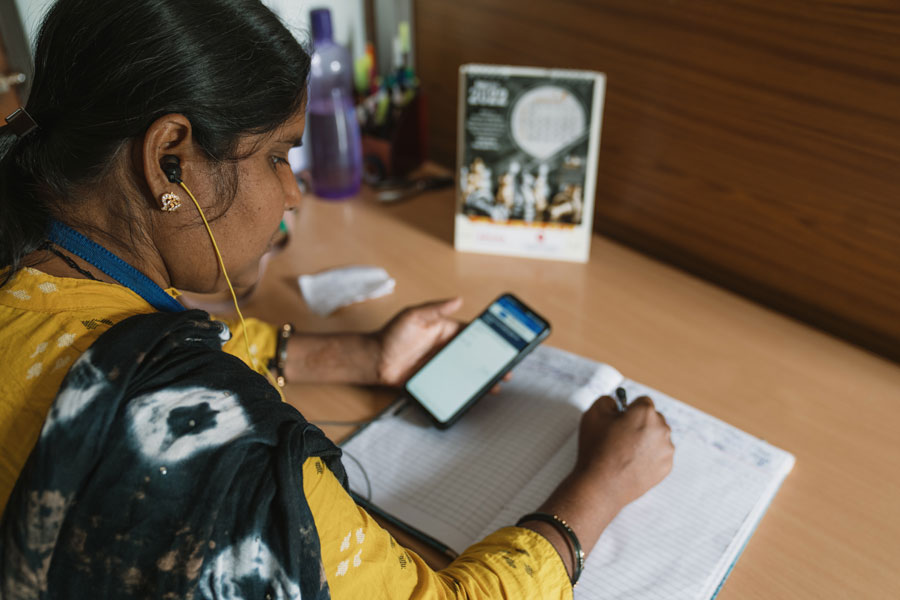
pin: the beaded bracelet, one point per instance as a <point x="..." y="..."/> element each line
<point x="566" y="531"/>
<point x="279" y="361"/>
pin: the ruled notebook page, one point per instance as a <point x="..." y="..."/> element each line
<point x="679" y="540"/>
<point x="451" y="484"/>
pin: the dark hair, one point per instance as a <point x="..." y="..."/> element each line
<point x="105" y="70"/>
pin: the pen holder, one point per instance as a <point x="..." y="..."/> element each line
<point x="399" y="147"/>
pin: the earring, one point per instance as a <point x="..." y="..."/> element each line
<point x="170" y="202"/>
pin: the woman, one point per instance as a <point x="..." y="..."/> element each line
<point x="146" y="460"/>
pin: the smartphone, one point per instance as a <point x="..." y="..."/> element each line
<point x="476" y="359"/>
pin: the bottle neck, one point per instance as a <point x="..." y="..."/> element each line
<point x="320" y="21"/>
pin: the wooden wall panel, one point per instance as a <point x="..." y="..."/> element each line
<point x="754" y="143"/>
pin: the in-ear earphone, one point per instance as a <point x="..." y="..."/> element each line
<point x="171" y="166"/>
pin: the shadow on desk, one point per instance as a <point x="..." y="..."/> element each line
<point x="436" y="222"/>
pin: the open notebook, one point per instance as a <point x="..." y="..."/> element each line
<point x="506" y="455"/>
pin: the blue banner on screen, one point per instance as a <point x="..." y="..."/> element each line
<point x="474" y="357"/>
<point x="511" y="322"/>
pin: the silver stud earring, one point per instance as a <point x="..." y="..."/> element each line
<point x="170" y="202"/>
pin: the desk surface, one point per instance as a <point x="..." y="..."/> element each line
<point x="833" y="529"/>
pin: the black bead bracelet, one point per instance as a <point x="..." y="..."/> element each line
<point x="279" y="361"/>
<point x="566" y="531"/>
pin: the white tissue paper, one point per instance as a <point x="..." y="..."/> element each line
<point x="329" y="290"/>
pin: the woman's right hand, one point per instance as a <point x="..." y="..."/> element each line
<point x="623" y="454"/>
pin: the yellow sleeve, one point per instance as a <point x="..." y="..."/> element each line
<point x="261" y="337"/>
<point x="362" y="560"/>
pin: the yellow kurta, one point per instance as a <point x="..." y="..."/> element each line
<point x="47" y="322"/>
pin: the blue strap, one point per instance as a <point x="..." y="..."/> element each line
<point x="104" y="260"/>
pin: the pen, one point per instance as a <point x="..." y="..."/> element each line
<point x="621" y="399"/>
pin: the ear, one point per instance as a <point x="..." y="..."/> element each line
<point x="169" y="135"/>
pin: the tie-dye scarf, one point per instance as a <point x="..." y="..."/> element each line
<point x="167" y="469"/>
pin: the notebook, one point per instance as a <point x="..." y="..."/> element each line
<point x="502" y="459"/>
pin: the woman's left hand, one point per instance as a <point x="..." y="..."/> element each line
<point x="388" y="356"/>
<point x="412" y="337"/>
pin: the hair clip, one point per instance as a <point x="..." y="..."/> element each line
<point x="21" y="123"/>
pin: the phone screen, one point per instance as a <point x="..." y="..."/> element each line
<point x="477" y="357"/>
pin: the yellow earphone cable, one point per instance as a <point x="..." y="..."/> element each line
<point x="228" y="281"/>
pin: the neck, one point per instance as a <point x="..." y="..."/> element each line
<point x="104" y="260"/>
<point x="142" y="257"/>
<point x="109" y="212"/>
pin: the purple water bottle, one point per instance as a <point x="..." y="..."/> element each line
<point x="331" y="117"/>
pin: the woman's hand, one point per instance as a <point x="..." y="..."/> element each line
<point x="388" y="356"/>
<point x="412" y="337"/>
<point x="620" y="457"/>
<point x="624" y="453"/>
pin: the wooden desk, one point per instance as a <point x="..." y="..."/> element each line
<point x="833" y="530"/>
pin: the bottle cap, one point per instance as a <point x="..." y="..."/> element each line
<point x="320" y="19"/>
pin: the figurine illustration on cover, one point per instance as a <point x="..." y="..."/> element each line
<point x="528" y="147"/>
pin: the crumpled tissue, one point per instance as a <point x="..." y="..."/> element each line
<point x="329" y="290"/>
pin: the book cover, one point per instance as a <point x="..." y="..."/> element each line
<point x="528" y="146"/>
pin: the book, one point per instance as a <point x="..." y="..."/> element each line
<point x="501" y="461"/>
<point x="528" y="147"/>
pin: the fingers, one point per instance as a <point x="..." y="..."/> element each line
<point x="450" y="329"/>
<point x="644" y="404"/>
<point x="432" y="312"/>
<point x="496" y="388"/>
<point x="643" y="401"/>
<point x="597" y="418"/>
<point x="451" y="306"/>
<point x="440" y="308"/>
<point x="606" y="404"/>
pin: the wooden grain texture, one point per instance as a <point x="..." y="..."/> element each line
<point x="832" y="530"/>
<point x="754" y="143"/>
